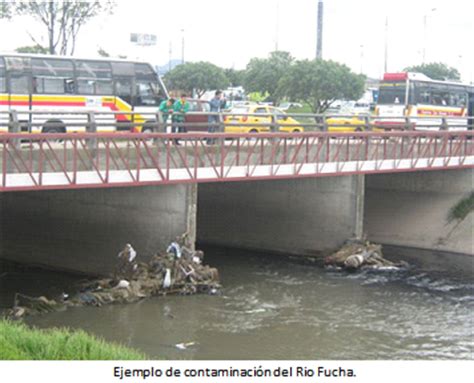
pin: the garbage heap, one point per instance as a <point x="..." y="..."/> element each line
<point x="356" y="255"/>
<point x="179" y="270"/>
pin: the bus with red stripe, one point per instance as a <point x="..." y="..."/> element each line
<point x="424" y="101"/>
<point x="30" y="83"/>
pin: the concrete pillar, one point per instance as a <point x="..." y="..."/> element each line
<point x="359" y="206"/>
<point x="299" y="216"/>
<point x="83" y="230"/>
<point x="411" y="210"/>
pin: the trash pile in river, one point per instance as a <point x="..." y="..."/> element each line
<point x="177" y="271"/>
<point x="359" y="254"/>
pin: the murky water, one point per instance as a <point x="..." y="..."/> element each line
<point x="274" y="308"/>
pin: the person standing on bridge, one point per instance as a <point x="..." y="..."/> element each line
<point x="166" y="108"/>
<point x="180" y="108"/>
<point x="216" y="104"/>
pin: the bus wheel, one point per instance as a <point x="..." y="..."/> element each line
<point x="149" y="127"/>
<point x="24" y="126"/>
<point x="54" y="126"/>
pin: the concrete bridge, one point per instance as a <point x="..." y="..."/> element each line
<point x="297" y="193"/>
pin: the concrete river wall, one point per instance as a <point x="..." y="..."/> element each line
<point x="72" y="229"/>
<point x="83" y="230"/>
<point x="303" y="216"/>
<point x="410" y="211"/>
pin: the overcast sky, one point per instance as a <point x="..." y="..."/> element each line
<point x="229" y="33"/>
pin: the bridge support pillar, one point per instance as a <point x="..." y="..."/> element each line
<point x="83" y="230"/>
<point x="299" y="216"/>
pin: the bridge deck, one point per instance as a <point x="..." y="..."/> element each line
<point x="61" y="161"/>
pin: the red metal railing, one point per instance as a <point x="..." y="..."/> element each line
<point x="92" y="160"/>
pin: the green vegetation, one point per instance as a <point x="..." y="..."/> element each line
<point x="33" y="49"/>
<point x="461" y="210"/>
<point x="262" y="75"/>
<point x="235" y="77"/>
<point x="318" y="83"/>
<point x="435" y="71"/>
<point x="200" y="77"/>
<point x="19" y="342"/>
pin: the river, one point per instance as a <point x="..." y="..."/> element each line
<point x="277" y="308"/>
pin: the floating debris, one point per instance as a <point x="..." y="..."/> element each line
<point x="356" y="255"/>
<point x="184" y="346"/>
<point x="177" y="271"/>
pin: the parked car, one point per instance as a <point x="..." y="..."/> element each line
<point x="241" y="116"/>
<point x="197" y="105"/>
<point x="346" y="123"/>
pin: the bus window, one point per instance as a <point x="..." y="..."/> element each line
<point x="458" y="98"/>
<point x="52" y="76"/>
<point x="19" y="84"/>
<point x="439" y="95"/>
<point x="122" y="69"/>
<point x="94" y="77"/>
<point x="146" y="93"/>
<point x="144" y="72"/>
<point x="123" y="89"/>
<point x="3" y="82"/>
<point x="392" y="93"/>
<point x="19" y="74"/>
<point x="149" y="91"/>
<point x="422" y="94"/>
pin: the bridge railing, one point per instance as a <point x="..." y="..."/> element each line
<point x="49" y="121"/>
<point x="51" y="161"/>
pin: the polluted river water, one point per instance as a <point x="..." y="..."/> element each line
<point x="277" y="308"/>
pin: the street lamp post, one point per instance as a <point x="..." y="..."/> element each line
<point x="385" y="61"/>
<point x="170" y="52"/>
<point x="182" y="46"/>
<point x="425" y="17"/>
<point x="319" y="37"/>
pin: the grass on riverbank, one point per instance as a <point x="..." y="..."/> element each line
<point x="19" y="342"/>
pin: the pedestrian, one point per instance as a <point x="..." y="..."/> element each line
<point x="216" y="104"/>
<point x="165" y="109"/>
<point x="180" y="108"/>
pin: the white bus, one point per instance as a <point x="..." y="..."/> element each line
<point x="58" y="83"/>
<point x="425" y="101"/>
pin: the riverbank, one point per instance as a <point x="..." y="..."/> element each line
<point x="20" y="342"/>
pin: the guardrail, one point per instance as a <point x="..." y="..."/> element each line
<point x="93" y="160"/>
<point x="15" y="121"/>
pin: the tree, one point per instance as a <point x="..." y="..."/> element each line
<point x="235" y="77"/>
<point x="436" y="71"/>
<point x="319" y="83"/>
<point x="262" y="75"/>
<point x="199" y="77"/>
<point x="33" y="49"/>
<point x="63" y="19"/>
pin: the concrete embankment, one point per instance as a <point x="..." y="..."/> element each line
<point x="83" y="230"/>
<point x="303" y="216"/>
<point x="409" y="211"/>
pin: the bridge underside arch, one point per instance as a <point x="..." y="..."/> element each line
<point x="297" y="216"/>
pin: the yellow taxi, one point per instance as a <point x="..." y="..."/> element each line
<point x="252" y="123"/>
<point x="355" y="123"/>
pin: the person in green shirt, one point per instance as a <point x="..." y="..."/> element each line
<point x="166" y="108"/>
<point x="180" y="108"/>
